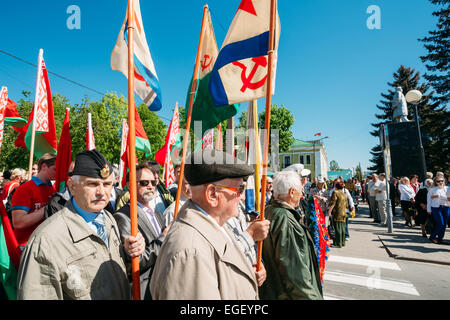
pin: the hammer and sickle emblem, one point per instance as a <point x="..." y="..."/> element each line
<point x="205" y="62"/>
<point x="247" y="81"/>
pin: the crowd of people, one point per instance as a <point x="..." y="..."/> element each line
<point x="423" y="203"/>
<point x="77" y="243"/>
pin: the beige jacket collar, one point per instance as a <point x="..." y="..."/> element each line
<point x="77" y="226"/>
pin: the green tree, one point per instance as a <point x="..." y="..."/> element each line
<point x="358" y="173"/>
<point x="107" y="115"/>
<point x="281" y="119"/>
<point x="13" y="157"/>
<point x="334" y="166"/>
<point x="433" y="121"/>
<point x="438" y="47"/>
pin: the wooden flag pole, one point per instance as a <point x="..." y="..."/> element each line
<point x="33" y="132"/>
<point x="132" y="150"/>
<point x="189" y="115"/>
<point x="273" y="6"/>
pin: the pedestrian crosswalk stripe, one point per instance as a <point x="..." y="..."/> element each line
<point x="365" y="262"/>
<point x="372" y="282"/>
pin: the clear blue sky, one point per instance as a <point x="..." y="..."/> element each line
<point x="331" y="67"/>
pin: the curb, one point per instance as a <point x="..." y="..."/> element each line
<point x="411" y="259"/>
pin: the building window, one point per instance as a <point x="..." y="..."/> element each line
<point x="302" y="160"/>
<point x="308" y="159"/>
<point x="287" y="161"/>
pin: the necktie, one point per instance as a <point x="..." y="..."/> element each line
<point x="101" y="228"/>
<point x="151" y="213"/>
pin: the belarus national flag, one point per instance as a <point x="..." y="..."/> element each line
<point x="9" y="114"/>
<point x="165" y="154"/>
<point x="42" y="116"/>
<point x="64" y="154"/>
<point x="240" y="70"/>
<point x="142" y="142"/>
<point x="12" y="116"/>
<point x="90" y="141"/>
<point x="9" y="255"/>
<point x="145" y="78"/>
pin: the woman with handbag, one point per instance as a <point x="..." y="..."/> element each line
<point x="407" y="195"/>
<point x="438" y="207"/>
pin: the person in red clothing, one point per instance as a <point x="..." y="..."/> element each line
<point x="17" y="176"/>
<point x="29" y="200"/>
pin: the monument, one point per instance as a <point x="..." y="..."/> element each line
<point x="400" y="107"/>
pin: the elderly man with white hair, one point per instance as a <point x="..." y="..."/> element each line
<point x="288" y="251"/>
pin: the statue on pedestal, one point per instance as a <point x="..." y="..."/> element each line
<point x="400" y="107"/>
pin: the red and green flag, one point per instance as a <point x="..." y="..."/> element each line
<point x="9" y="255"/>
<point x="171" y="149"/>
<point x="142" y="142"/>
<point x="41" y="117"/>
<point x="64" y="154"/>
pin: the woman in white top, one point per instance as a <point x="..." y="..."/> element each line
<point x="438" y="206"/>
<point x="407" y="195"/>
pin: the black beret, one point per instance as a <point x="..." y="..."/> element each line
<point x="210" y="165"/>
<point x="91" y="163"/>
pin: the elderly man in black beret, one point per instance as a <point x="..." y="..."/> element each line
<point x="77" y="254"/>
<point x="200" y="259"/>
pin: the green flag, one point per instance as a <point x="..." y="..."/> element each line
<point x="203" y="108"/>
<point x="8" y="273"/>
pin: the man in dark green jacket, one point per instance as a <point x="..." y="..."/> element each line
<point x="288" y="251"/>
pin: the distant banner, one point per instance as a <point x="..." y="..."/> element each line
<point x="345" y="174"/>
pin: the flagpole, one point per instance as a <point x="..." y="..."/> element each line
<point x="258" y="192"/>
<point x="191" y="103"/>
<point x="33" y="132"/>
<point x="267" y="120"/>
<point x="132" y="150"/>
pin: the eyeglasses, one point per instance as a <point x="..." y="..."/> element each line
<point x="439" y="181"/>
<point x="238" y="190"/>
<point x="144" y="183"/>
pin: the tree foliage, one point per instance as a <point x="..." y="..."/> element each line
<point x="281" y="119"/>
<point x="438" y="46"/>
<point x="107" y="115"/>
<point x="334" y="166"/>
<point x="433" y="121"/>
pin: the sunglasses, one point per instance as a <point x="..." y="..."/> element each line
<point x="439" y="180"/>
<point x="144" y="183"/>
<point x="238" y="190"/>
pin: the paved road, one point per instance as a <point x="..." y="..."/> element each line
<point x="363" y="270"/>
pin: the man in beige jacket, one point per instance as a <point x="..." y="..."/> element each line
<point x="76" y="254"/>
<point x="200" y="258"/>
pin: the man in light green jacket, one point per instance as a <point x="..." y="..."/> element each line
<point x="77" y="254"/>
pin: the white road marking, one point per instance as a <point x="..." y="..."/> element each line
<point x="365" y="262"/>
<point x="372" y="282"/>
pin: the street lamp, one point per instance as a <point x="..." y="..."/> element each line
<point x="314" y="153"/>
<point x="413" y="97"/>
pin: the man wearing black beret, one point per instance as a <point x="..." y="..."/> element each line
<point x="77" y="254"/>
<point x="200" y="259"/>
